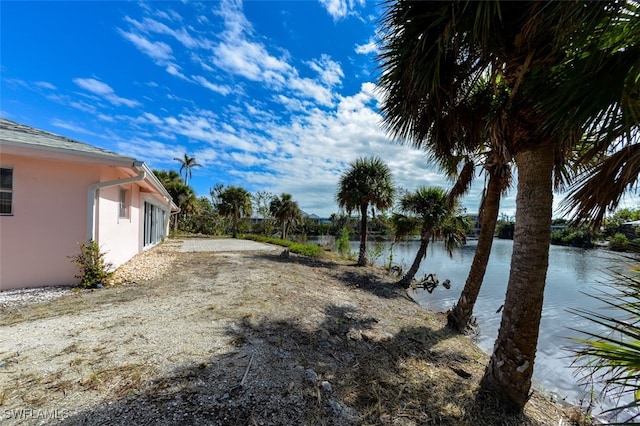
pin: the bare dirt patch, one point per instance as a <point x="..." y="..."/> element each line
<point x="247" y="338"/>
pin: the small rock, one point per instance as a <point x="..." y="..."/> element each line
<point x="311" y="376"/>
<point x="326" y="386"/>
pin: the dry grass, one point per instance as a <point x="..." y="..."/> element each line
<point x="228" y="339"/>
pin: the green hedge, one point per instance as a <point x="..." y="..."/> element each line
<point x="311" y="250"/>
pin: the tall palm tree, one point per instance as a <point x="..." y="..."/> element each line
<point x="497" y="182"/>
<point x="187" y="163"/>
<point x="436" y="219"/>
<point x="366" y="182"/>
<point x="234" y="202"/>
<point x="433" y="54"/>
<point x="181" y="193"/>
<point x="459" y="155"/>
<point x="286" y="212"/>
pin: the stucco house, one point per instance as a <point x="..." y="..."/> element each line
<point x="56" y="192"/>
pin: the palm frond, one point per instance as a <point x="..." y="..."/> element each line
<point x="613" y="356"/>
<point x="600" y="187"/>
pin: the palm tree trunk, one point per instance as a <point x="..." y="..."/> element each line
<point x="362" y="256"/>
<point x="234" y="225"/>
<point x="510" y="368"/>
<point x="460" y="315"/>
<point x="422" y="252"/>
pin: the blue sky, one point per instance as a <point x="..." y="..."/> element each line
<point x="276" y="96"/>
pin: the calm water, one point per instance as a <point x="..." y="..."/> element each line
<point x="572" y="272"/>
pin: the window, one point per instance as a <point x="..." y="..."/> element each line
<point x="122" y="202"/>
<point x="6" y="191"/>
<point x="154" y="221"/>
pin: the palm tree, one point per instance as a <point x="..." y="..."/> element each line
<point x="474" y="112"/>
<point x="234" y="202"/>
<point x="366" y="182"/>
<point x="187" y="163"/>
<point x="181" y="193"/>
<point x="498" y="181"/>
<point x="286" y="212"/>
<point x="433" y="54"/>
<point x="435" y="219"/>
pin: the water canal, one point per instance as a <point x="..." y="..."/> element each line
<point x="573" y="274"/>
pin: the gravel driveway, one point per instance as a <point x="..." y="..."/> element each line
<point x="224" y="244"/>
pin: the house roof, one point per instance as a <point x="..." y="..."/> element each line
<point x="18" y="135"/>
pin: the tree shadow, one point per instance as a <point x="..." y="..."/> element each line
<point x="375" y="283"/>
<point x="344" y="371"/>
<point x="312" y="262"/>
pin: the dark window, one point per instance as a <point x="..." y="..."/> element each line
<point x="6" y="190"/>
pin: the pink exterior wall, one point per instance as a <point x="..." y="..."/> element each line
<point x="50" y="218"/>
<point x="119" y="238"/>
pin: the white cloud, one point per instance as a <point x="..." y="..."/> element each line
<point x="311" y="89"/>
<point x="338" y="9"/>
<point x="222" y="89"/>
<point x="367" y="48"/>
<point x="148" y="25"/>
<point x="70" y="126"/>
<point x="330" y="71"/>
<point x="174" y="70"/>
<point x="45" y="85"/>
<point x="105" y="91"/>
<point x="158" y="51"/>
<point x="152" y="152"/>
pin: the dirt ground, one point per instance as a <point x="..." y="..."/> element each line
<point x="243" y="338"/>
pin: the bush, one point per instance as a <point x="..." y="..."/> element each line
<point x="94" y="270"/>
<point x="572" y="237"/>
<point x="342" y="243"/>
<point x="619" y="242"/>
<point x="310" y="250"/>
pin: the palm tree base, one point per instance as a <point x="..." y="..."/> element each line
<point x="461" y="322"/>
<point x="405" y="282"/>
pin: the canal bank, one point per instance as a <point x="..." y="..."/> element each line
<point x="573" y="275"/>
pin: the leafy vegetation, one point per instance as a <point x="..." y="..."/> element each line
<point x="431" y="213"/>
<point x="310" y="250"/>
<point x="234" y="202"/>
<point x="367" y="182"/>
<point x="573" y="237"/>
<point x="286" y="212"/>
<point x="342" y="243"/>
<point x="187" y="163"/>
<point x="95" y="271"/>
<point x="612" y="358"/>
<point x="542" y="59"/>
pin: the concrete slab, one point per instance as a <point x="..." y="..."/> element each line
<point x="224" y="245"/>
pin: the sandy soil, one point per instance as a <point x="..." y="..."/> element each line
<point x="242" y="338"/>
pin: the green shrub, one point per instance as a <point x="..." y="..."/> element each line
<point x="94" y="270"/>
<point x="619" y="242"/>
<point x="342" y="243"/>
<point x="572" y="237"/>
<point x="311" y="250"/>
